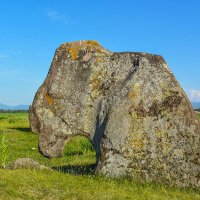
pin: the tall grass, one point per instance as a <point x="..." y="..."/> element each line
<point x="3" y="149"/>
<point x="78" y="145"/>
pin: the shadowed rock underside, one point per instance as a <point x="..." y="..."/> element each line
<point x="128" y="104"/>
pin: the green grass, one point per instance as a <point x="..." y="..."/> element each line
<point x="72" y="175"/>
<point x="23" y="143"/>
<point x="29" y="184"/>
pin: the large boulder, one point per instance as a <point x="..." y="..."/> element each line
<point x="128" y="104"/>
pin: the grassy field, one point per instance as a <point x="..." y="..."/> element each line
<point x="72" y="176"/>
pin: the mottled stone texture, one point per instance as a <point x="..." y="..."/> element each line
<point x="128" y="104"/>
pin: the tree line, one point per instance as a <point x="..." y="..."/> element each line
<point x="13" y="111"/>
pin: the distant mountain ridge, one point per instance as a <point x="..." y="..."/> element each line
<point x="196" y="105"/>
<point x="18" y="107"/>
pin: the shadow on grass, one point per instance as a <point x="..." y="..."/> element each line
<point x="22" y="129"/>
<point x="77" y="169"/>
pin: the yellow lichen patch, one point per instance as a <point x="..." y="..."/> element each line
<point x="160" y="134"/>
<point x="48" y="99"/>
<point x="165" y="113"/>
<point x="135" y="91"/>
<point x="92" y="43"/>
<point x="166" y="149"/>
<point x="95" y="84"/>
<point x="138" y="143"/>
<point x="95" y="94"/>
<point x="134" y="115"/>
<point x="166" y="90"/>
<point x="73" y="52"/>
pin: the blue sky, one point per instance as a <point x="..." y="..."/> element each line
<point x="30" y="31"/>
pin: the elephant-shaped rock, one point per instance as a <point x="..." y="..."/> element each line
<point x="129" y="105"/>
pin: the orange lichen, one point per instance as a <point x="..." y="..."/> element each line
<point x="92" y="42"/>
<point x="48" y="99"/>
<point x="73" y="52"/>
<point x="88" y="46"/>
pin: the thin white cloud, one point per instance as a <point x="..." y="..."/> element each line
<point x="53" y="15"/>
<point x="57" y="16"/>
<point x="194" y="95"/>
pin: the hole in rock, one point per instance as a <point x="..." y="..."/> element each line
<point x="78" y="157"/>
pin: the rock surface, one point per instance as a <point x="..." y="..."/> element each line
<point x="26" y="163"/>
<point x="128" y="104"/>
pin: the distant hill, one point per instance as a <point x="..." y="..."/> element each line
<point x="18" y="107"/>
<point x="196" y="105"/>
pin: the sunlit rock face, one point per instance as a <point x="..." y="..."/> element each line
<point x="128" y="104"/>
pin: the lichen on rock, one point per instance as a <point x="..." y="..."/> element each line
<point x="129" y="105"/>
